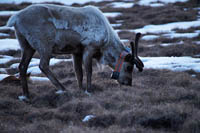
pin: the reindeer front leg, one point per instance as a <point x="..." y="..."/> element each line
<point x="78" y="59"/>
<point x="87" y="60"/>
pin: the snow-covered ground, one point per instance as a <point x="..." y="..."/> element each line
<point x="35" y="70"/>
<point x="166" y="30"/>
<point x="4" y="35"/>
<point x="163" y="28"/>
<point x="67" y="2"/>
<point x="169" y="44"/>
<point x="155" y="3"/>
<point x="170" y="35"/>
<point x="180" y="35"/>
<point x="70" y="2"/>
<point x="5" y="59"/>
<point x="9" y="44"/>
<point x="172" y="63"/>
<point x="33" y="66"/>
<point x="150" y="37"/>
<point x="112" y="14"/>
<point x="3" y="76"/>
<point x="122" y="5"/>
<point x="7" y="13"/>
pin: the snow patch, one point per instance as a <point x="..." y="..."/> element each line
<point x="22" y="98"/>
<point x="156" y="5"/>
<point x="3" y="76"/>
<point x="149" y="37"/>
<point x="34" y="70"/>
<point x="59" y="92"/>
<point x="124" y="40"/>
<point x="5" y="59"/>
<point x="115" y="25"/>
<point x="87" y="93"/>
<point x="88" y="117"/>
<point x="166" y="44"/>
<point x="3" y="70"/>
<point x="169" y="44"/>
<point x="4" y="35"/>
<point x="172" y="63"/>
<point x="197" y="31"/>
<point x="151" y="45"/>
<point x="7" y="13"/>
<point x="122" y="5"/>
<point x="6" y="28"/>
<point x="34" y="65"/>
<point x="196" y="42"/>
<point x="111" y="14"/>
<point x="193" y="75"/>
<point x="67" y="2"/>
<point x="180" y="35"/>
<point x="14" y="66"/>
<point x="35" y="78"/>
<point x="150" y="2"/>
<point x="9" y="44"/>
<point x="167" y="27"/>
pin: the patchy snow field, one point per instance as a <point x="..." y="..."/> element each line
<point x="153" y="31"/>
<point x="167" y="27"/>
<point x="115" y="4"/>
<point x="155" y="3"/>
<point x="9" y="44"/>
<point x="162" y="30"/>
<point x="170" y="63"/>
<point x="67" y="2"/>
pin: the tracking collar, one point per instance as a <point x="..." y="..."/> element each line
<point x="118" y="66"/>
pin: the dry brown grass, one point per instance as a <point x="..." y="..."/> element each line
<point x="139" y="16"/>
<point x="159" y="101"/>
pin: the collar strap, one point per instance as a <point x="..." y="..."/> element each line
<point x="118" y="66"/>
<point x="120" y="61"/>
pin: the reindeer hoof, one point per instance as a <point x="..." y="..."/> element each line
<point x="23" y="98"/>
<point x="87" y="93"/>
<point x="59" y="92"/>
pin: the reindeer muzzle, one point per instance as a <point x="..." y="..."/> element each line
<point x="115" y="75"/>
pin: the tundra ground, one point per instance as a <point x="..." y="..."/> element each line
<point x="159" y="101"/>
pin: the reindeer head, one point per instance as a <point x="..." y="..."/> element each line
<point x="124" y="68"/>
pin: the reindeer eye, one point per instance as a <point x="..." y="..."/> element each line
<point x="129" y="68"/>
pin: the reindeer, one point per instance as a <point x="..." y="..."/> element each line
<point x="83" y="32"/>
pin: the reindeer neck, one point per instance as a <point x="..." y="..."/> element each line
<point x="112" y="53"/>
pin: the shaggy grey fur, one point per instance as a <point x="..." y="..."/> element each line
<point x="83" y="32"/>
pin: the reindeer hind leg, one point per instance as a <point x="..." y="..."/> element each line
<point x="44" y="67"/>
<point x="27" y="54"/>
